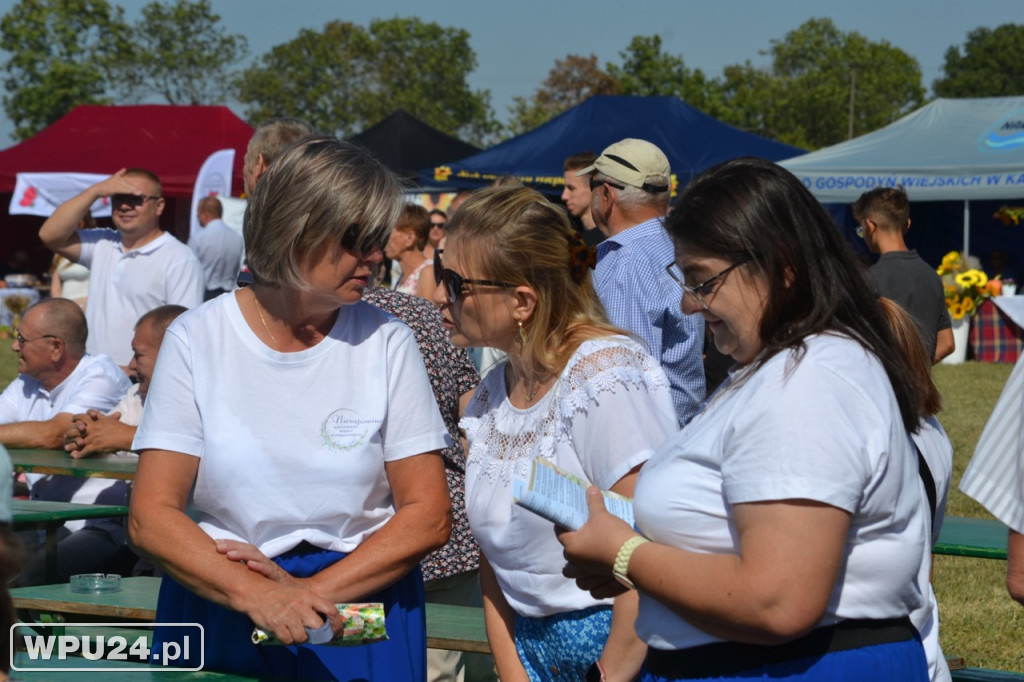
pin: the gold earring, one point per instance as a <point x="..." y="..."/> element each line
<point x="522" y="332"/>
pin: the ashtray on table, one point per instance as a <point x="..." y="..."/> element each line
<point x="95" y="583"/>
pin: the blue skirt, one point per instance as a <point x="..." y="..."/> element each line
<point x="229" y="649"/>
<point x="890" y="662"/>
<point x="560" y="648"/>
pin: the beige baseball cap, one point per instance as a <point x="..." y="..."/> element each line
<point x="632" y="161"/>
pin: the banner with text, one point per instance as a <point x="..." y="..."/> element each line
<point x="40" y="193"/>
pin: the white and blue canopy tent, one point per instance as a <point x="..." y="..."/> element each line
<point x="948" y="150"/>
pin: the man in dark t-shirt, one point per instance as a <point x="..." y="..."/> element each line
<point x="900" y="274"/>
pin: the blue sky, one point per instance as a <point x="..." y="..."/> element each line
<point x="517" y="41"/>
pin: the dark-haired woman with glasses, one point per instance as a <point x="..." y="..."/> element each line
<point x="575" y="391"/>
<point x="781" y="534"/>
<point x="304" y="421"/>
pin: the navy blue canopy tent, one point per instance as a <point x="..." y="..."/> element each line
<point x="691" y="140"/>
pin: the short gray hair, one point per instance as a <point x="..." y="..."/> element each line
<point x="306" y="202"/>
<point x="272" y="136"/>
<point x="64" y="319"/>
<point x="632" y="197"/>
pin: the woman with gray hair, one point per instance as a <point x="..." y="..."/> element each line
<point x="316" y="473"/>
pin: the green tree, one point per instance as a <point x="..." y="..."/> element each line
<point x="345" y="78"/>
<point x="991" y="64"/>
<point x="647" y="71"/>
<point x="184" y="55"/>
<point x="316" y="77"/>
<point x="822" y="85"/>
<point x="747" y="100"/>
<point x="423" y="68"/>
<point x="61" y="53"/>
<point x="571" y="81"/>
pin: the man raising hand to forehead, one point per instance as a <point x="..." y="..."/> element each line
<point x="134" y="268"/>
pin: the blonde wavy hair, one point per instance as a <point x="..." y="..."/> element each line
<point x="515" y="235"/>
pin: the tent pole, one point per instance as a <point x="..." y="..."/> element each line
<point x="967" y="228"/>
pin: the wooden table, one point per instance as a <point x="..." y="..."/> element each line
<point x="60" y="463"/>
<point x="50" y="516"/>
<point x="983" y="538"/>
<point x="457" y="628"/>
<point x="135" y="601"/>
<point x="72" y="669"/>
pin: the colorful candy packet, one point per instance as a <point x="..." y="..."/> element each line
<point x="364" y="624"/>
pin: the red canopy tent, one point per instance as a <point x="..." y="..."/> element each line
<point x="171" y="141"/>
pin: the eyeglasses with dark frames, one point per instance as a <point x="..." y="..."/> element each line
<point x="130" y="200"/>
<point x="22" y="341"/>
<point x="707" y="287"/>
<point x="454" y="282"/>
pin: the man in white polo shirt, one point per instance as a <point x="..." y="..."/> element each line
<point x="135" y="268"/>
<point x="57" y="379"/>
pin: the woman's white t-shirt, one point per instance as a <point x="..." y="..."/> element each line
<point x="292" y="446"/>
<point x="826" y="428"/>
<point x="608" y="411"/>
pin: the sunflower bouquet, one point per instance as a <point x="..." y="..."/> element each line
<point x="966" y="284"/>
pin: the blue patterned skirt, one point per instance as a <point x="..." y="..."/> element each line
<point x="561" y="647"/>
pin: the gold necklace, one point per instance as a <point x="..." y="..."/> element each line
<point x="531" y="394"/>
<point x="256" y="302"/>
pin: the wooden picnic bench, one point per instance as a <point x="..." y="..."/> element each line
<point x="457" y="628"/>
<point x="985" y="675"/>
<point x="49" y="516"/>
<point x="982" y="538"/>
<point x="59" y="462"/>
<point x="77" y="668"/>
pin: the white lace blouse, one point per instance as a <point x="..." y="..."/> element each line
<point x="608" y="411"/>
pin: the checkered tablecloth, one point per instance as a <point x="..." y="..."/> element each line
<point x="994" y="336"/>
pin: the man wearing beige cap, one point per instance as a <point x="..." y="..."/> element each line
<point x="629" y="199"/>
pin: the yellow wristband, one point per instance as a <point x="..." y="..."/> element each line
<point x="620" y="569"/>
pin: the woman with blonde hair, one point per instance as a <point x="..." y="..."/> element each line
<point x="575" y="391"/>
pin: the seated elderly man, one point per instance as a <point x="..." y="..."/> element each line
<point x="95" y="432"/>
<point x="57" y="379"/>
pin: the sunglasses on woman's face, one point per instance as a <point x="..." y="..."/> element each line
<point x="350" y="242"/>
<point x="454" y="282"/>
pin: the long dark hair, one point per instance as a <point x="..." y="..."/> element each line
<point x="752" y="209"/>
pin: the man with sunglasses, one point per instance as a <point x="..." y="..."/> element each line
<point x="630" y="183"/>
<point x="135" y="268"/>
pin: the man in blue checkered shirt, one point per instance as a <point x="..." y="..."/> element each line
<point x="630" y="193"/>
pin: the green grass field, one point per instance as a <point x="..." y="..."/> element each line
<point x="979" y="620"/>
